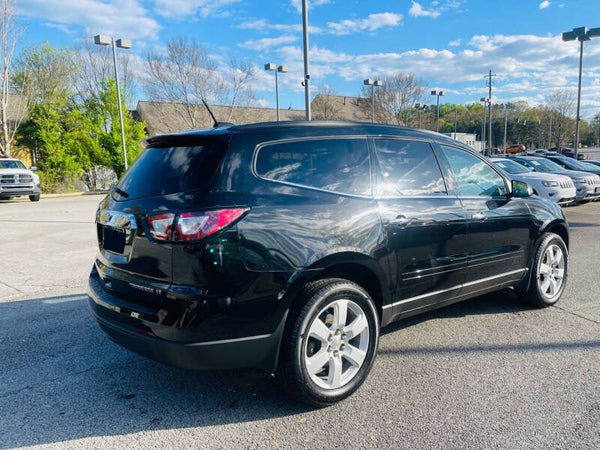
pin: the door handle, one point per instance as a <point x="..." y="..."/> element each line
<point x="401" y="221"/>
<point x="478" y="216"/>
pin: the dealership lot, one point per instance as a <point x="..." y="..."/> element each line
<point x="485" y="373"/>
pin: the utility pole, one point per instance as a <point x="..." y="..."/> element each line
<point x="489" y="76"/>
<point x="306" y="64"/>
<point x="505" y="125"/>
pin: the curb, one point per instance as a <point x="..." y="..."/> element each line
<point x="73" y="194"/>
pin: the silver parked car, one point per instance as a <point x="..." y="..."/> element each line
<point x="586" y="183"/>
<point x="558" y="188"/>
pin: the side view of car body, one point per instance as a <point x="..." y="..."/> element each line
<point x="517" y="148"/>
<point x="17" y="180"/>
<point x="587" y="184"/>
<point x="572" y="164"/>
<point x="287" y="246"/>
<point x="557" y="188"/>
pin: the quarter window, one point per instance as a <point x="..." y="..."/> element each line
<point x="340" y="165"/>
<point x="408" y="168"/>
<point x="473" y="176"/>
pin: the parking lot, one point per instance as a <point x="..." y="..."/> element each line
<point x="486" y="373"/>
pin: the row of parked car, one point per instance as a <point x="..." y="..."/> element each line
<point x="563" y="180"/>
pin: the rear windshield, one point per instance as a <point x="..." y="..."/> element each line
<point x="169" y="170"/>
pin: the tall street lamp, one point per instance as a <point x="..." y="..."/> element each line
<point x="277" y="69"/>
<point x="419" y="108"/>
<point x="102" y="39"/>
<point x="485" y="101"/>
<point x="581" y="34"/>
<point x="372" y="83"/>
<point x="438" y="94"/>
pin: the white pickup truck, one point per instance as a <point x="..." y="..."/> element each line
<point x="17" y="180"/>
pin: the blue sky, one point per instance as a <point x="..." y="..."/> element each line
<point x="450" y="44"/>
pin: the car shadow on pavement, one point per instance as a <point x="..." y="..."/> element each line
<point x="62" y="379"/>
<point x="504" y="301"/>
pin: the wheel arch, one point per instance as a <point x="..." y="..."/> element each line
<point x="358" y="268"/>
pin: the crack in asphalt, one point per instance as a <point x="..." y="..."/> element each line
<point x="577" y="315"/>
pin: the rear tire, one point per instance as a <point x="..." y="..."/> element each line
<point x="549" y="272"/>
<point x="330" y="342"/>
<point x="34" y="197"/>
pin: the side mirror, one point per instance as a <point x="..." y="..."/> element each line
<point x="521" y="189"/>
<point x="33" y="168"/>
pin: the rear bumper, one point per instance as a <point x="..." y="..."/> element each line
<point x="247" y="352"/>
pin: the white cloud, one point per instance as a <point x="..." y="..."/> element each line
<point x="263" y="44"/>
<point x="183" y="9"/>
<point x="126" y="18"/>
<point x="262" y="25"/>
<point x="371" y="23"/>
<point x="544" y="4"/>
<point x="455" y="43"/>
<point x="417" y="10"/>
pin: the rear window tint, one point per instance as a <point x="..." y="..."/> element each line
<point x="340" y="165"/>
<point x="169" y="170"/>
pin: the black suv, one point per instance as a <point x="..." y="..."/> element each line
<point x="287" y="246"/>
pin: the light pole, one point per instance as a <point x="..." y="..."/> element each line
<point x="581" y="34"/>
<point x="438" y="94"/>
<point x="419" y="108"/>
<point x="372" y="83"/>
<point x="102" y="39"/>
<point x="306" y="64"/>
<point x="277" y="69"/>
<point x="485" y="101"/>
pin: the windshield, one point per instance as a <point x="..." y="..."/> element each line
<point x="12" y="164"/>
<point x="163" y="171"/>
<point x="510" y="166"/>
<point x="544" y="165"/>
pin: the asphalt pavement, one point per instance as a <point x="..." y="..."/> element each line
<point x="486" y="373"/>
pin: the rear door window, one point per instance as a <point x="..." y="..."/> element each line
<point x="408" y="168"/>
<point x="339" y="165"/>
<point x="169" y="170"/>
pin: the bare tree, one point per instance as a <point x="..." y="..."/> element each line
<point x="44" y="73"/>
<point x="398" y="96"/>
<point x="12" y="107"/>
<point x="185" y="74"/>
<point x="240" y="75"/>
<point x="95" y="65"/>
<point x="323" y="106"/>
<point x="561" y="103"/>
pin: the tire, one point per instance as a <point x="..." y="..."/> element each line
<point x="330" y="342"/>
<point x="34" y="197"/>
<point x="549" y="272"/>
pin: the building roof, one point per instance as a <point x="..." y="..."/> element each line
<point x="165" y="117"/>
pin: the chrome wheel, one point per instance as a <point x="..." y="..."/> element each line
<point x="551" y="271"/>
<point x="337" y="344"/>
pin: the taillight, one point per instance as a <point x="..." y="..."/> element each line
<point x="191" y="226"/>
<point x="161" y="226"/>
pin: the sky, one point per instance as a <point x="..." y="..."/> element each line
<point x="450" y="44"/>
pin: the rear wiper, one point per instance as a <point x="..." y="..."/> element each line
<point x="121" y="192"/>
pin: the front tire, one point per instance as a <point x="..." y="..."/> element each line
<point x="34" y="197"/>
<point x="549" y="272"/>
<point x="330" y="342"/>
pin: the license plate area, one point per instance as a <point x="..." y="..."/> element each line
<point x="114" y="240"/>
